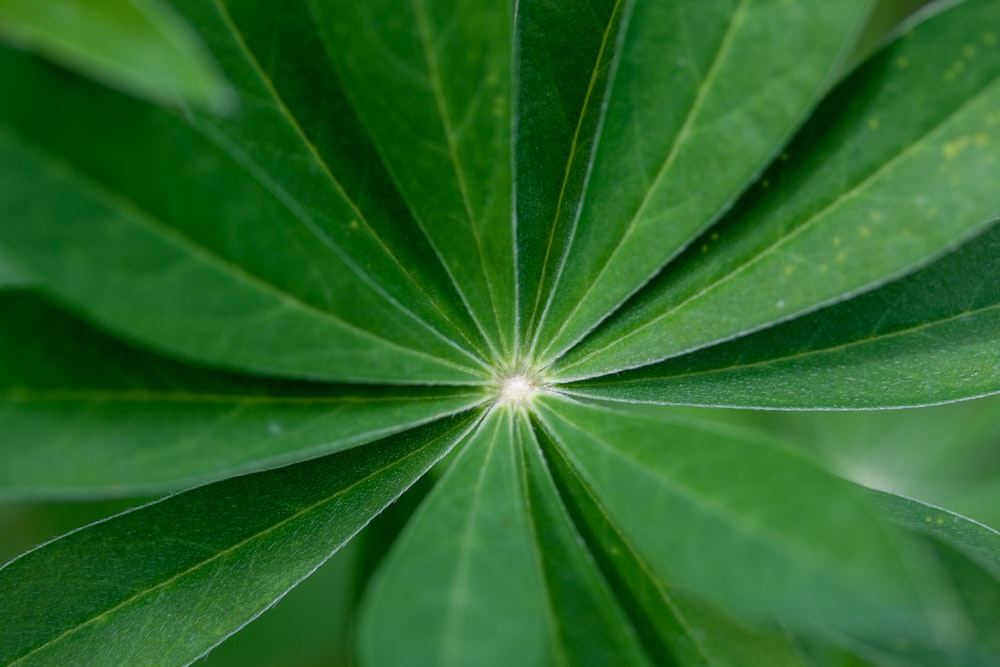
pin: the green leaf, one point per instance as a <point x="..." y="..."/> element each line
<point x="674" y="626"/>
<point x="928" y="338"/>
<point x="588" y="623"/>
<point x="83" y="414"/>
<point x="978" y="542"/>
<point x="257" y="282"/>
<point x="329" y="172"/>
<point x="492" y="571"/>
<point x="201" y="564"/>
<point x="887" y="175"/>
<point x="461" y="586"/>
<point x="684" y="75"/>
<point x="721" y="532"/>
<point x="431" y="81"/>
<point x="969" y="553"/>
<point x="139" y="46"/>
<point x="563" y="53"/>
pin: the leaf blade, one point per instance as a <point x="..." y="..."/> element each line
<point x="139" y="46"/>
<point x="928" y="338"/>
<point x="84" y="415"/>
<point x="686" y="74"/>
<point x="221" y="572"/>
<point x="238" y="286"/>
<point x="648" y="445"/>
<point x="823" y="224"/>
<point x="434" y="92"/>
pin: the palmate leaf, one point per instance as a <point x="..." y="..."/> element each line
<point x="701" y="485"/>
<point x="233" y="549"/>
<point x="440" y="218"/>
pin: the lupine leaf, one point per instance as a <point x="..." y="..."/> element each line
<point x="675" y="627"/>
<point x="928" y="338"/>
<point x="887" y="175"/>
<point x="686" y="76"/>
<point x="513" y="583"/>
<point x="256" y="283"/>
<point x="715" y="524"/>
<point x="84" y="414"/>
<point x="431" y="81"/>
<point x="461" y="586"/>
<point x="233" y="548"/>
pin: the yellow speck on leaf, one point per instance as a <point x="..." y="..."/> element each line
<point x="969" y="51"/>
<point x="951" y="149"/>
<point x="873" y="123"/>
<point x="875" y="216"/>
<point x="902" y="62"/>
<point x="864" y="230"/>
<point x="354" y="224"/>
<point x="789" y="270"/>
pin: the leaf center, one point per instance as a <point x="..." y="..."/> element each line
<point x="517" y="390"/>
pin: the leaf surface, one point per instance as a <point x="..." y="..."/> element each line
<point x="689" y="497"/>
<point x="675" y="627"/>
<point x="13" y="276"/>
<point x="887" y="175"/>
<point x="201" y="564"/>
<point x="930" y="337"/>
<point x="140" y="46"/>
<point x="969" y="553"/>
<point x="688" y="78"/>
<point x="492" y="571"/>
<point x="563" y="54"/>
<point x="253" y="282"/>
<point x="431" y="81"/>
<point x="461" y="586"/>
<point x="86" y="415"/>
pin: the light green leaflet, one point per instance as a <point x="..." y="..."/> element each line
<point x="139" y="46"/>
<point x="235" y="548"/>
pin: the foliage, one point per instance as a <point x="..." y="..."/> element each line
<point x="500" y="246"/>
